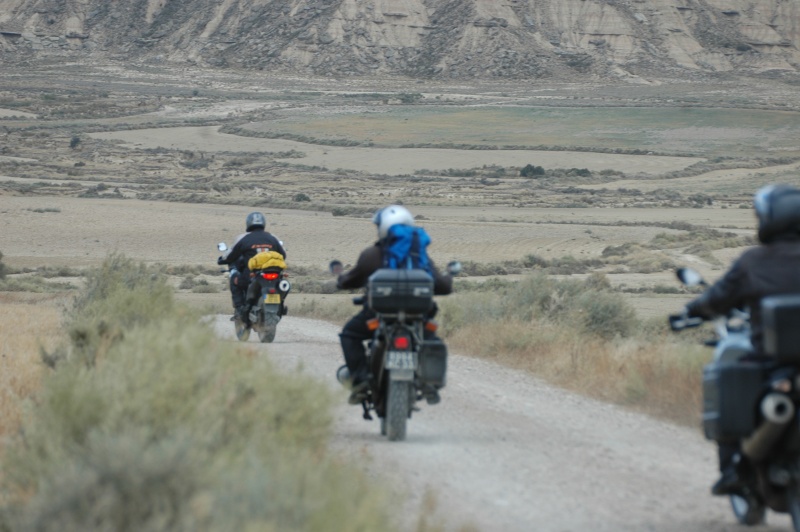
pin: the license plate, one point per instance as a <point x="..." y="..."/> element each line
<point x="273" y="299"/>
<point x="401" y="360"/>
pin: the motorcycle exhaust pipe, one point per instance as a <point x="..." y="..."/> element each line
<point x="777" y="410"/>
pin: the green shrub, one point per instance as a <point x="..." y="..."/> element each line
<point x="531" y="171"/>
<point x="605" y="314"/>
<point x="172" y="429"/>
<point x="582" y="172"/>
<point x="409" y="97"/>
<point x="301" y="197"/>
<point x="123" y="293"/>
<point x="204" y="287"/>
<point x="587" y="307"/>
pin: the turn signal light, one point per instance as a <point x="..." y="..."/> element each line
<point x="269" y="276"/>
<point x="431" y="326"/>
<point x="373" y="324"/>
<point x="401" y="342"/>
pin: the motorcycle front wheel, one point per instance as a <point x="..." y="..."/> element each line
<point x="397" y="403"/>
<point x="748" y="509"/>
<point x="242" y="330"/>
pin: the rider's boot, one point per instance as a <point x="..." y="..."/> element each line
<point x="243" y="313"/>
<point x="359" y="388"/>
<point x="730" y="481"/>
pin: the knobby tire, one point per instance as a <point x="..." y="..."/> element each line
<point x="397" y="402"/>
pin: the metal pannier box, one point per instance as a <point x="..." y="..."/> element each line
<point x="731" y="396"/>
<point x="780" y="316"/>
<point x="433" y="362"/>
<point x="390" y="291"/>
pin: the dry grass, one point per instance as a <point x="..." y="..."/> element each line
<point x="657" y="375"/>
<point x="27" y="325"/>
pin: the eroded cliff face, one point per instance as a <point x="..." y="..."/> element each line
<point x="555" y="39"/>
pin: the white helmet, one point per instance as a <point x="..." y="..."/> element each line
<point x="389" y="216"/>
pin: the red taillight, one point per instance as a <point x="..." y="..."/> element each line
<point x="269" y="276"/>
<point x="401" y="342"/>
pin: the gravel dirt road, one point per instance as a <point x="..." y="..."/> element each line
<point x="504" y="451"/>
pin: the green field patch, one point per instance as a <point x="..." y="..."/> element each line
<point x="687" y="131"/>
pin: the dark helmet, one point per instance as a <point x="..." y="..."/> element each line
<point x="778" y="211"/>
<point x="255" y="220"/>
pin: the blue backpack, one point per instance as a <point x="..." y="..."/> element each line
<point x="405" y="247"/>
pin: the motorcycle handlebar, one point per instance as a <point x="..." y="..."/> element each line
<point x="679" y="322"/>
<point x="359" y="300"/>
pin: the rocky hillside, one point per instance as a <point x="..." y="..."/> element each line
<point x="550" y="39"/>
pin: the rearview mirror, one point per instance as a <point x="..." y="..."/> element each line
<point x="335" y="267"/>
<point x="222" y="246"/>
<point x="453" y="267"/>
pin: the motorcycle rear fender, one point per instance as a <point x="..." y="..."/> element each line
<point x="401" y="375"/>
<point x="272" y="309"/>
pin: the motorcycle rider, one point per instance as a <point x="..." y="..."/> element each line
<point x="771" y="268"/>
<point x="355" y="331"/>
<point x="254" y="241"/>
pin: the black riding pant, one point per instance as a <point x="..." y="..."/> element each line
<point x="239" y="283"/>
<point x="726" y="452"/>
<point x="353" y="336"/>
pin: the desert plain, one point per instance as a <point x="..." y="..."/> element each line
<point x="162" y="163"/>
<point x="629" y="181"/>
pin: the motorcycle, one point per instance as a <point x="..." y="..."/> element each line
<point x="270" y="286"/>
<point x="407" y="362"/>
<point x="754" y="403"/>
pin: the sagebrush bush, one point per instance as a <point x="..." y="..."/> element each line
<point x="124" y="291"/>
<point x="587" y="306"/>
<point x="164" y="427"/>
<point x="605" y="314"/>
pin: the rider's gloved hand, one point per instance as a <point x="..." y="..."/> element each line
<point x="220" y="260"/>
<point x="676" y="321"/>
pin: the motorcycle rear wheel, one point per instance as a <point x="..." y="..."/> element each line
<point x="397" y="403"/>
<point x="748" y="509"/>
<point x="267" y="333"/>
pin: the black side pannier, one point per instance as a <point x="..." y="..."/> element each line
<point x="390" y="291"/>
<point x="780" y="316"/>
<point x="731" y="396"/>
<point x="433" y="362"/>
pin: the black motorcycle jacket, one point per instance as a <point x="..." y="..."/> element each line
<point x="371" y="259"/>
<point x="766" y="270"/>
<point x="252" y="243"/>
